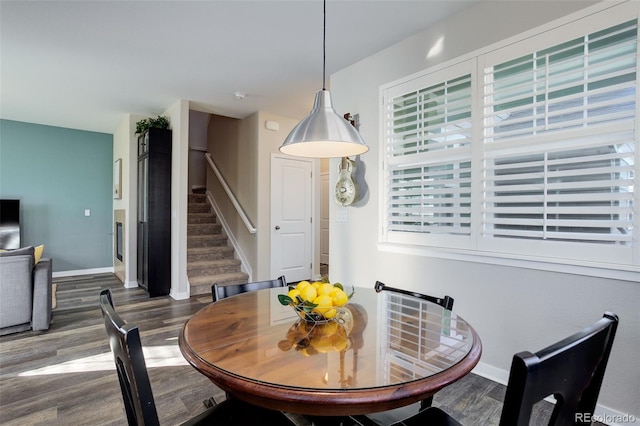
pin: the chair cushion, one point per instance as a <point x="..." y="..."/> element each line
<point x="18" y="252"/>
<point x="16" y="290"/>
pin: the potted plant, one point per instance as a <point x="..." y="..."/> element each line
<point x="160" y="122"/>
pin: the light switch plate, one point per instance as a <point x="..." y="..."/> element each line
<point x="87" y="212"/>
<point x="341" y="215"/>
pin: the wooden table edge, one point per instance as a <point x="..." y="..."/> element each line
<point x="338" y="402"/>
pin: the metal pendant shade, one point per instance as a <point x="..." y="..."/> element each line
<point x="324" y="133"/>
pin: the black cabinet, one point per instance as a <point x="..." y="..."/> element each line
<point x="154" y="211"/>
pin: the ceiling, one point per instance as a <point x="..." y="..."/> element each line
<point x="86" y="64"/>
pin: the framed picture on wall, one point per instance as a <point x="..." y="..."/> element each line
<point x="117" y="179"/>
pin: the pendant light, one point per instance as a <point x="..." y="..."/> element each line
<point x="324" y="133"/>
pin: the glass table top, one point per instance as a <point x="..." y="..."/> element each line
<point x="378" y="340"/>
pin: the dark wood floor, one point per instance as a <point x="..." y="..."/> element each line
<point x="65" y="376"/>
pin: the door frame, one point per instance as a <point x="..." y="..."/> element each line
<point x="315" y="211"/>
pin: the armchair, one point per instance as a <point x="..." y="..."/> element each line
<point x="25" y="291"/>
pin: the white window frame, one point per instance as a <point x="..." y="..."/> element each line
<point x="621" y="264"/>
<point x="434" y="239"/>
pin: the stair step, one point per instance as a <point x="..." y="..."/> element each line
<point x="197" y="254"/>
<point x="193" y="218"/>
<point x="209" y="258"/>
<point x="212" y="267"/>
<point x="202" y="285"/>
<point x="198" y="208"/>
<point x="203" y="229"/>
<point x="197" y="197"/>
<point x="206" y="240"/>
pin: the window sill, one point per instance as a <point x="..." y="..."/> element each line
<point x="616" y="272"/>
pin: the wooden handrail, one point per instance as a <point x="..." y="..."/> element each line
<point x="245" y="219"/>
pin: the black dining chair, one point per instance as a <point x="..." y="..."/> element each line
<point x="446" y="302"/>
<point x="571" y="370"/>
<point x="220" y="292"/>
<point x="140" y="408"/>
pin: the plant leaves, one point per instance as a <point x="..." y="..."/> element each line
<point x="353" y="291"/>
<point x="339" y="285"/>
<point x="284" y="299"/>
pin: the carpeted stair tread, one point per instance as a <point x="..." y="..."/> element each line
<point x="201" y="263"/>
<point x="203" y="229"/>
<point x="206" y="240"/>
<point x="197" y="198"/>
<point x="228" y="278"/>
<point x="195" y="254"/>
<point x="196" y="218"/>
<point x="209" y="257"/>
<point x="202" y="285"/>
<point x="213" y="267"/>
<point x="198" y="208"/>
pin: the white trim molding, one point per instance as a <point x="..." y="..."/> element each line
<point x="232" y="240"/>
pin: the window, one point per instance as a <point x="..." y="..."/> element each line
<point x="541" y="164"/>
<point x="429" y="157"/>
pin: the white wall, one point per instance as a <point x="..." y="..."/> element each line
<point x="198" y="122"/>
<point x="268" y="143"/>
<point x="125" y="147"/>
<point x="178" y="115"/>
<point x="513" y="309"/>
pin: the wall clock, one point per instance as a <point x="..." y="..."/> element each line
<point x="346" y="191"/>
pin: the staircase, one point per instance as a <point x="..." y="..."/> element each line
<point x="209" y="258"/>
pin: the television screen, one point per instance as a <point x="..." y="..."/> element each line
<point x="9" y="224"/>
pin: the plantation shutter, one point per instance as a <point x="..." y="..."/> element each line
<point x="523" y="151"/>
<point x="428" y="162"/>
<point x="559" y="142"/>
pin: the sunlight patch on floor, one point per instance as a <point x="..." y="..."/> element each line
<point x="155" y="356"/>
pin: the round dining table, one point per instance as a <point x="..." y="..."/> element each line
<point x="382" y="351"/>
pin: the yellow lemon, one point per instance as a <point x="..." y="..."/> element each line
<point x="302" y="284"/>
<point x="340" y="298"/>
<point x="293" y="293"/>
<point x="322" y="344"/>
<point x="308" y="293"/>
<point x="330" y="328"/>
<point x="330" y="313"/>
<point x="324" y="304"/>
<point x="339" y="342"/>
<point x="316" y="284"/>
<point x="325" y="288"/>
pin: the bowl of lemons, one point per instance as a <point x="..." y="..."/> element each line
<point x="317" y="302"/>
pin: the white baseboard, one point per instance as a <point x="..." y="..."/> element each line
<point x="492" y="373"/>
<point x="179" y="295"/>
<point x="82" y="272"/>
<point x="603" y="414"/>
<point x="612" y="417"/>
<point x="131" y="284"/>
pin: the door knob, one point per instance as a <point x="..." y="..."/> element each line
<point x="277" y="227"/>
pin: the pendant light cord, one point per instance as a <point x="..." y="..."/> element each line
<point x="324" y="44"/>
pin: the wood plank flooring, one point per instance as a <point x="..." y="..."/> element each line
<point x="65" y="375"/>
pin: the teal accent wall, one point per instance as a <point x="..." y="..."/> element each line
<point x="57" y="173"/>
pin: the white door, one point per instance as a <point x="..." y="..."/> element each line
<point x="291" y="226"/>
<point x="324" y="218"/>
